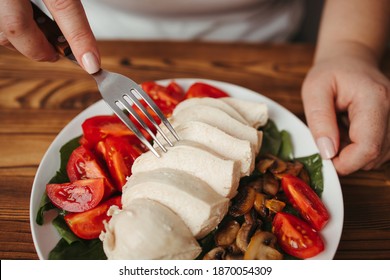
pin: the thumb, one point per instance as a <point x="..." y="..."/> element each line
<point x="318" y="101"/>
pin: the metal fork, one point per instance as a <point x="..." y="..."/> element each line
<point x="119" y="92"/>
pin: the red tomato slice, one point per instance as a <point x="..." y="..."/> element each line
<point x="98" y="128"/>
<point x="89" y="224"/>
<point x="77" y="196"/>
<point x="176" y="90"/>
<point x="166" y="98"/>
<point x="83" y="164"/>
<point x="296" y="237"/>
<point x="204" y="90"/>
<point x="120" y="156"/>
<point x="306" y="201"/>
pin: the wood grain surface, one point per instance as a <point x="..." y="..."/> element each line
<point x="38" y="99"/>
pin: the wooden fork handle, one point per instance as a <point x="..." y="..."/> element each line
<point x="52" y="32"/>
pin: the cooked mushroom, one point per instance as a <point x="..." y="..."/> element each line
<point x="233" y="249"/>
<point x="262" y="247"/>
<point x="226" y="234"/>
<point x="270" y="184"/>
<point x="263" y="164"/>
<point x="259" y="204"/>
<point x="218" y="253"/>
<point x="234" y="257"/>
<point x="278" y="166"/>
<point x="252" y="217"/>
<point x="256" y="184"/>
<point x="244" y="235"/>
<point x="274" y="205"/>
<point x="243" y="201"/>
<point x="293" y="168"/>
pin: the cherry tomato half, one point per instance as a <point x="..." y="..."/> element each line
<point x="166" y="98"/>
<point x="97" y="128"/>
<point x="296" y="237"/>
<point x="120" y="155"/>
<point x="89" y="224"/>
<point x="83" y="164"/>
<point x="77" y="196"/>
<point x="306" y="201"/>
<point x="204" y="90"/>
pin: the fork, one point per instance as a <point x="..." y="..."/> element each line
<point x="119" y="92"/>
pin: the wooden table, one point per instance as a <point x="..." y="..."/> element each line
<point x="38" y="99"/>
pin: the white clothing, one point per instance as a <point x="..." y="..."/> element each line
<point x="201" y="20"/>
<point x="196" y="20"/>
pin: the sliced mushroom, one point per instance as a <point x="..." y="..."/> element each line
<point x="264" y="164"/>
<point x="218" y="253"/>
<point x="270" y="184"/>
<point x="256" y="184"/>
<point x="293" y="168"/>
<point x="259" y="204"/>
<point x="243" y="201"/>
<point x="233" y="249"/>
<point x="262" y="247"/>
<point x="244" y="235"/>
<point x="234" y="257"/>
<point x="279" y="166"/>
<point x="274" y="205"/>
<point x="227" y="233"/>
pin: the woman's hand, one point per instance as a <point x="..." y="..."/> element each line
<point x="19" y="31"/>
<point x="354" y="85"/>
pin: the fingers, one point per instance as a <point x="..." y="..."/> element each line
<point x="19" y="31"/>
<point x="368" y="132"/>
<point x="71" y="19"/>
<point x="318" y="100"/>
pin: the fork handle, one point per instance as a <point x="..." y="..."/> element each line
<point x="52" y="32"/>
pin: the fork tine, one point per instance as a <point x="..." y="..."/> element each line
<point x="136" y="101"/>
<point x="131" y="110"/>
<point x="126" y="120"/>
<point x="157" y="110"/>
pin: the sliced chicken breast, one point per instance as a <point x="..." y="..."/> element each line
<point x="255" y="113"/>
<point x="181" y="192"/>
<point x="220" y="119"/>
<point x="217" y="140"/>
<point x="147" y="230"/>
<point x="212" y="102"/>
<point x="222" y="175"/>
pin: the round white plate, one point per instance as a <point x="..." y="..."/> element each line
<point x="46" y="237"/>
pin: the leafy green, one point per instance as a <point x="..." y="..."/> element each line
<point x="59" y="178"/>
<point x="78" y="250"/>
<point x="45" y="205"/>
<point x="65" y="152"/>
<point x="63" y="229"/>
<point x="272" y="139"/>
<point x="313" y="165"/>
<point x="286" y="148"/>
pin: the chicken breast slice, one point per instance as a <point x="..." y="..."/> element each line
<point x="181" y="192"/>
<point x="222" y="175"/>
<point x="212" y="102"/>
<point x="255" y="113"/>
<point x="147" y="230"/>
<point x="220" y="119"/>
<point x="217" y="140"/>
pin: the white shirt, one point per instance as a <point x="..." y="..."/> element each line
<point x="201" y="20"/>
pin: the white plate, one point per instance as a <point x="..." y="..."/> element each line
<point x="46" y="237"/>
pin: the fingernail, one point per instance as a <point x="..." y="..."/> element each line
<point x="90" y="63"/>
<point x="326" y="147"/>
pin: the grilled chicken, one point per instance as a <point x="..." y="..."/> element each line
<point x="183" y="194"/>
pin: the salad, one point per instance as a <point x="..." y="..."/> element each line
<point x="95" y="166"/>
